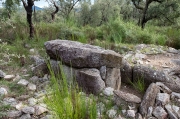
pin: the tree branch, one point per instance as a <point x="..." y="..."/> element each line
<point x="137" y="6"/>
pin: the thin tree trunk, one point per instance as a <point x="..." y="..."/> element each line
<point x="53" y="14"/>
<point x="29" y="11"/>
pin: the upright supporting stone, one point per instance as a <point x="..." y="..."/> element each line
<point x="113" y="78"/>
<point x="90" y="80"/>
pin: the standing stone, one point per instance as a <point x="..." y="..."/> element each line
<point x="160" y="113"/>
<point x="80" y="55"/>
<point x="103" y="72"/>
<point x="126" y="72"/>
<point x="113" y="78"/>
<point x="90" y="80"/>
<point x="163" y="98"/>
<point x="149" y="98"/>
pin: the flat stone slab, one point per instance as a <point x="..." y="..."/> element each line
<point x="80" y="55"/>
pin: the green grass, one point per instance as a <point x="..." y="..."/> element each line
<point x="14" y="88"/>
<point x="139" y="84"/>
<point x="65" y="100"/>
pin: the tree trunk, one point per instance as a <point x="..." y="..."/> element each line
<point x="29" y="17"/>
<point x="29" y="11"/>
<point x="53" y="14"/>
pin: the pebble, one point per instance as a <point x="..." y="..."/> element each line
<point x="31" y="87"/>
<point x="23" y="82"/>
<point x="28" y="110"/>
<point x="108" y="91"/>
<point x="3" y="91"/>
<point x="39" y="110"/>
<point x="14" y="114"/>
<point x="9" y="77"/>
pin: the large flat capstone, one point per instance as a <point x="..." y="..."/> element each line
<point x="80" y="55"/>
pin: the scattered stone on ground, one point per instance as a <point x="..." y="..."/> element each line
<point x="100" y="70"/>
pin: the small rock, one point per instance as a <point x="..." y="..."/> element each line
<point x="23" y="82"/>
<point x="3" y="91"/>
<point x="14" y="114"/>
<point x="160" y="113"/>
<point x="124" y="112"/>
<point x="32" y="51"/>
<point x="9" y="77"/>
<point x="175" y="108"/>
<point x="131" y="114"/>
<point x="111" y="113"/>
<point x="23" y="97"/>
<point x="170" y="112"/>
<point x="40" y="110"/>
<point x="2" y="74"/>
<point x="10" y="101"/>
<point x="45" y="78"/>
<point x="101" y="107"/>
<point x="175" y="95"/>
<point x="25" y="116"/>
<point x="17" y="78"/>
<point x="47" y="117"/>
<point x="140" y="56"/>
<point x="31" y="87"/>
<point x="162" y="98"/>
<point x="19" y="106"/>
<point x="28" y="110"/>
<point x="108" y="91"/>
<point x="32" y="101"/>
<point x="138" y="116"/>
<point x="172" y="50"/>
<point x="127" y="96"/>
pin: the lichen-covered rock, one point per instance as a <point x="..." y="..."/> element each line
<point x="90" y="80"/>
<point x="80" y="55"/>
<point x="149" y="98"/>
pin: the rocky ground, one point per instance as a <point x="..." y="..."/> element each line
<point x="159" y="65"/>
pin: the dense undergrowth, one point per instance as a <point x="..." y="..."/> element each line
<point x="113" y="32"/>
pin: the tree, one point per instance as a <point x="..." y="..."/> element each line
<point x="156" y="9"/>
<point x="66" y="6"/>
<point x="29" y="10"/>
<point x="53" y="4"/>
